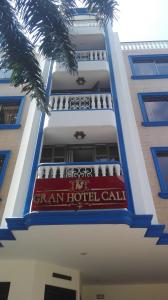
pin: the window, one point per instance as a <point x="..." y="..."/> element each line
<point x="82" y="153"/>
<point x="10" y="112"/>
<point x="160" y="158"/>
<point x="4" y="157"/>
<point x="149" y="66"/>
<point x="154" y="108"/>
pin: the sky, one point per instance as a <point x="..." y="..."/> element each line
<point x="143" y="20"/>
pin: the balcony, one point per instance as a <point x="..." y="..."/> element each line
<point x="90" y="113"/>
<point x="77" y="186"/>
<point x="81" y="101"/>
<point x="78" y="170"/>
<point x="83" y="26"/>
<point x="88" y="60"/>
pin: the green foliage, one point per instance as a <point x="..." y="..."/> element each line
<point x="47" y="22"/>
<point x="105" y="9"/>
<point x="18" y="56"/>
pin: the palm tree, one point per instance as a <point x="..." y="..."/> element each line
<point x="47" y="23"/>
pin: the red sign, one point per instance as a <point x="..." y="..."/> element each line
<point x="79" y="193"/>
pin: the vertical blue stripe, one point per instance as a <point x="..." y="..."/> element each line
<point x="38" y="147"/>
<point x="119" y="126"/>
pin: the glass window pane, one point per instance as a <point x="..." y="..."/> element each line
<point x="157" y="108"/>
<point x="163" y="164"/>
<point x="113" y="152"/>
<point x="145" y="68"/>
<point x="46" y="155"/>
<point x="83" y="155"/>
<point x="8" y="112"/>
<point x="162" y="68"/>
<point x="59" y="151"/>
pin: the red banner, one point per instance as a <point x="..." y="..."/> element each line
<point x="79" y="193"/>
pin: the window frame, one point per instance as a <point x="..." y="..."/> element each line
<point x="163" y="186"/>
<point x="146" y="121"/>
<point x="9" y="99"/>
<point x="6" y="154"/>
<point x="143" y="58"/>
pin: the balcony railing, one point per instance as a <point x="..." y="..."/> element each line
<point x="95" y="169"/>
<point x="81" y="101"/>
<point x="144" y="45"/>
<point x="85" y="23"/>
<point x="91" y="55"/>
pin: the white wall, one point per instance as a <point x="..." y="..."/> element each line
<point x="126" y="292"/>
<point x="142" y="195"/>
<point x="28" y="278"/>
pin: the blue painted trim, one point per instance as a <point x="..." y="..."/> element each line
<point x="136" y="77"/>
<point x="6" y="235"/>
<point x="81" y="163"/>
<point x="117" y="216"/>
<point x="6" y="155"/>
<point x="163" y="239"/>
<point x="146" y="120"/>
<point x="155" y="230"/>
<point x="9" y="126"/>
<point x="5" y="80"/>
<point x="142" y="58"/>
<point x="85" y="110"/>
<point x="163" y="186"/>
<point x="21" y="101"/>
<point x="154" y="124"/>
<point x="163" y="195"/>
<point x="119" y="127"/>
<point x="38" y="147"/>
<point x="80" y="93"/>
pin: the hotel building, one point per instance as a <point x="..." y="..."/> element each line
<point x="83" y="191"/>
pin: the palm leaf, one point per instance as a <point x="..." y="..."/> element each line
<point x="48" y="22"/>
<point x="18" y="56"/>
<point x="104" y="9"/>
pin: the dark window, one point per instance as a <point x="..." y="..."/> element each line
<point x="155" y="107"/>
<point x="4" y="290"/>
<point x="149" y="65"/>
<point x="162" y="158"/>
<point x="4" y="157"/>
<point x="83" y="153"/>
<point x="57" y="293"/>
<point x="8" y="112"/>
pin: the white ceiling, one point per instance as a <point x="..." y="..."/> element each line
<point x="115" y="253"/>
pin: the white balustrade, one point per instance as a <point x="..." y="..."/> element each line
<point x="144" y="45"/>
<point x="81" y="101"/>
<point x="83" y="170"/>
<point x="91" y="55"/>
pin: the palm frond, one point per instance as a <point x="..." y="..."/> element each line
<point x="48" y="22"/>
<point x="105" y="10"/>
<point x="18" y="56"/>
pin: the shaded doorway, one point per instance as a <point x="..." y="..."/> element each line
<point x="4" y="290"/>
<point x="57" y="293"/>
